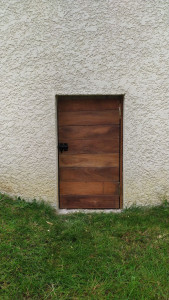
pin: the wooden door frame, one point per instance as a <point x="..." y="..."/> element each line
<point x="121" y="153"/>
<point x="121" y="97"/>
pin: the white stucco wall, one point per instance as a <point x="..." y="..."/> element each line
<point x="83" y="47"/>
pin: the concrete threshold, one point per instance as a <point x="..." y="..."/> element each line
<point x="87" y="211"/>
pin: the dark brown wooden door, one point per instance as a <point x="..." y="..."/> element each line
<point x="90" y="172"/>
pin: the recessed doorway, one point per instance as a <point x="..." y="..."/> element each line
<point x="90" y="144"/>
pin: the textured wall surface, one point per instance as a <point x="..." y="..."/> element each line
<point x="56" y="47"/>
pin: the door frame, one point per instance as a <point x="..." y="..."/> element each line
<point x="121" y="98"/>
<point x="121" y="152"/>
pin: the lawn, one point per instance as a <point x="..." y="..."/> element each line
<point x="83" y="256"/>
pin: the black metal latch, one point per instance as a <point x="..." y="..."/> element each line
<point x="63" y="147"/>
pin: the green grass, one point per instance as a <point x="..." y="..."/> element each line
<point x="83" y="256"/>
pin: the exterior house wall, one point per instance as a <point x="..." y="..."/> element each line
<point x="51" y="48"/>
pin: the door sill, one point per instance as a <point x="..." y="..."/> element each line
<point x="87" y="211"/>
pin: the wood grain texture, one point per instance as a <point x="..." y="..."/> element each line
<point x="89" y="174"/>
<point x="89" y="188"/>
<point x="95" y="202"/>
<point x="81" y="188"/>
<point x="90" y="171"/>
<point x="110" y="188"/>
<point x="89" y="160"/>
<point x="92" y="146"/>
<point x="88" y="132"/>
<point x="92" y="103"/>
<point x="89" y="117"/>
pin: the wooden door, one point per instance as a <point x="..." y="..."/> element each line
<point x="90" y="172"/>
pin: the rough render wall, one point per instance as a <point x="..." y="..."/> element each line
<point x="83" y="47"/>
